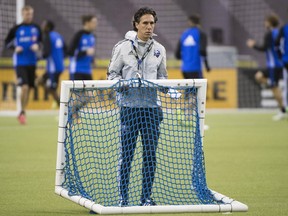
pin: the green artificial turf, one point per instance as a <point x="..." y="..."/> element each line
<point x="246" y="157"/>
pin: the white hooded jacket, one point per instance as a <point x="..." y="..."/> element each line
<point x="124" y="63"/>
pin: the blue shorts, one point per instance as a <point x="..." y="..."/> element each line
<point x="274" y="75"/>
<point x="80" y="76"/>
<point x="26" y="75"/>
<point x="193" y="75"/>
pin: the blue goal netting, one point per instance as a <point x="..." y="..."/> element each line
<point x="135" y="143"/>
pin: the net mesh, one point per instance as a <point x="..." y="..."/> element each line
<point x="133" y="142"/>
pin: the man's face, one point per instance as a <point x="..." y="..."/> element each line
<point x="92" y="25"/>
<point x="145" y="27"/>
<point x="27" y="15"/>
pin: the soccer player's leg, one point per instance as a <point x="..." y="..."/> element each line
<point x="285" y="90"/>
<point x="41" y="80"/>
<point x="25" y="79"/>
<point x="275" y="75"/>
<point x="51" y="86"/>
<point x="150" y="132"/>
<point x="129" y="134"/>
<point x="261" y="78"/>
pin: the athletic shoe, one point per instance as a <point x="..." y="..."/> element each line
<point x="147" y="202"/>
<point x="92" y="212"/>
<point x="123" y="203"/>
<point x="22" y="119"/>
<point x="279" y="116"/>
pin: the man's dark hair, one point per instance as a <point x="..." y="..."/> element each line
<point x="27" y="7"/>
<point x="49" y="25"/>
<point x="141" y="12"/>
<point x="273" y="20"/>
<point x="87" y="18"/>
<point x="194" y="18"/>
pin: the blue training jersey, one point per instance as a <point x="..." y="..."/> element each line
<point x="55" y="57"/>
<point x="272" y="56"/>
<point x="24" y="35"/>
<point x="80" y="62"/>
<point x="190" y="50"/>
<point x="285" y="44"/>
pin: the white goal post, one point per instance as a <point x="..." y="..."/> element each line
<point x="223" y="203"/>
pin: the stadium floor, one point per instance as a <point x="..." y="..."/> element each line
<point x="245" y="154"/>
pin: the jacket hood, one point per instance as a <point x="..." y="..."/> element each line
<point x="131" y="35"/>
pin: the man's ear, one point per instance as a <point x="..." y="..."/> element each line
<point x="136" y="25"/>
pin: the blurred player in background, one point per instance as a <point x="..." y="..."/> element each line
<point x="54" y="52"/>
<point x="192" y="50"/>
<point x="282" y="43"/>
<point x="81" y="52"/>
<point x="273" y="73"/>
<point x="24" y="39"/>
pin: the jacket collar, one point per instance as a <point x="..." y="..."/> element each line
<point x="132" y="36"/>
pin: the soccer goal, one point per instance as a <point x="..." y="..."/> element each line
<point x="135" y="146"/>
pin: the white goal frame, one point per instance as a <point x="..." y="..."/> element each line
<point x="229" y="205"/>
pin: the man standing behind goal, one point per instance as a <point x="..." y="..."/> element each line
<point x="25" y="39"/>
<point x="138" y="56"/>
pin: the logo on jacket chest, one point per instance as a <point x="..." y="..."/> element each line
<point x="157" y="53"/>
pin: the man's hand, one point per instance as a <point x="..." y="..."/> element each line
<point x="34" y="47"/>
<point x="90" y="51"/>
<point x="18" y="49"/>
<point x="123" y="89"/>
<point x="174" y="94"/>
<point x="251" y="43"/>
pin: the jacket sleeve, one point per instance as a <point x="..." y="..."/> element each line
<point x="116" y="64"/>
<point x="10" y="38"/>
<point x="74" y="44"/>
<point x="203" y="50"/>
<point x="203" y="44"/>
<point x="162" y="69"/>
<point x="280" y="35"/>
<point x="266" y="44"/>
<point x="178" y="50"/>
<point x="40" y="36"/>
<point x="46" y="45"/>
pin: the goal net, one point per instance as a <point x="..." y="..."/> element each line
<point x="135" y="146"/>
